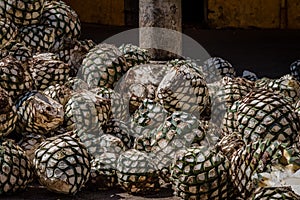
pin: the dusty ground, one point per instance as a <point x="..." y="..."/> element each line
<point x="40" y="193"/>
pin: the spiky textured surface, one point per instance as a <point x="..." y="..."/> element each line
<point x="137" y="172"/>
<point x="251" y="159"/>
<point x="72" y="52"/>
<point x="30" y="142"/>
<point x="17" y="50"/>
<point x="8" y="32"/>
<point x="216" y="68"/>
<point x="62" y="164"/>
<point x="38" y="37"/>
<point x="295" y="69"/>
<point x="134" y="55"/>
<point x="263" y="114"/>
<point x="288" y="86"/>
<point x="15" y="168"/>
<point x="139" y="83"/>
<point x="22" y="12"/>
<point x="201" y="173"/>
<point x="274" y="193"/>
<point x="230" y="143"/>
<point x="183" y="89"/>
<point x="63" y="18"/>
<point x="8" y="114"/>
<point x="14" y="77"/>
<point x="103" y="172"/>
<point x="46" y="69"/>
<point x="59" y="93"/>
<point x="103" y="66"/>
<point x="234" y="89"/>
<point x="38" y="113"/>
<point x="121" y="130"/>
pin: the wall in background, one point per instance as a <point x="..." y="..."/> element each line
<point x="254" y="13"/>
<point x="216" y="13"/>
<point x="109" y="12"/>
<point x="293" y="14"/>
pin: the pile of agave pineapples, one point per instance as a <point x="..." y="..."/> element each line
<point x="77" y="115"/>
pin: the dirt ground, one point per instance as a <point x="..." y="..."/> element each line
<point x="40" y="193"/>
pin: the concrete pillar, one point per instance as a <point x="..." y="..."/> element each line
<point x="163" y="44"/>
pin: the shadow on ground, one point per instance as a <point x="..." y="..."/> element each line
<point x="40" y="193"/>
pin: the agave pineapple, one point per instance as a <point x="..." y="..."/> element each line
<point x="14" y="77"/>
<point x="38" y="37"/>
<point x="62" y="164"/>
<point x="103" y="172"/>
<point x="18" y="51"/>
<point x="22" y="12"/>
<point x="120" y="130"/>
<point x="250" y="160"/>
<point x="201" y="173"/>
<point x="140" y="83"/>
<point x="15" y="168"/>
<point x="288" y="86"/>
<point x="38" y="114"/>
<point x="137" y="172"/>
<point x="29" y="143"/>
<point x="183" y="89"/>
<point x="8" y="32"/>
<point x="46" y="69"/>
<point x="134" y="55"/>
<point x="294" y="69"/>
<point x="8" y="114"/>
<point x="72" y="52"/>
<point x="272" y="193"/>
<point x="63" y="18"/>
<point x="103" y="66"/>
<point x="263" y="114"/>
<point x="216" y="68"/>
